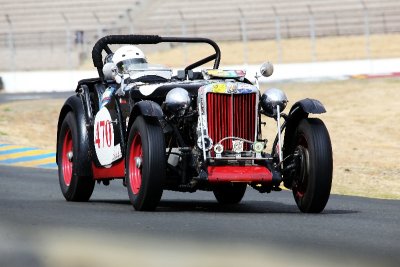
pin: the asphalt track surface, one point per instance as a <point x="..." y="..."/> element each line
<point x="37" y="226"/>
<point x="8" y="97"/>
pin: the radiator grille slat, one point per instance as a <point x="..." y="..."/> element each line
<point x="231" y="115"/>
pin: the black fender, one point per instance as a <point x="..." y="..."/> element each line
<point x="300" y="110"/>
<point x="145" y="108"/>
<point x="308" y="106"/>
<point x="118" y="125"/>
<point x="75" y="104"/>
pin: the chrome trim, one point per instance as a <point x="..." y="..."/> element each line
<point x="278" y="124"/>
<point x="223" y="87"/>
<point x="240" y="158"/>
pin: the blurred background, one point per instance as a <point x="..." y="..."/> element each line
<point x="59" y="34"/>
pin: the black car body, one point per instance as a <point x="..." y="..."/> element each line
<point x="197" y="130"/>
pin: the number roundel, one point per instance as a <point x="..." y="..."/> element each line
<point x="104" y="137"/>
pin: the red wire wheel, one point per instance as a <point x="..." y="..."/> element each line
<point x="73" y="186"/>
<point x="135" y="171"/>
<point x="145" y="164"/>
<point x="313" y="159"/>
<point x="67" y="155"/>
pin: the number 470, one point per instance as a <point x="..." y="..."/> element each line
<point x="103" y="134"/>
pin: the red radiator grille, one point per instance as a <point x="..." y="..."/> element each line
<point x="231" y="115"/>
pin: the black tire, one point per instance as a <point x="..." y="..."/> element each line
<point x="313" y="177"/>
<point x="73" y="187"/>
<point x="145" y="183"/>
<point x="230" y="193"/>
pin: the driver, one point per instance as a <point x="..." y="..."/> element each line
<point x="118" y="67"/>
<point x="126" y="56"/>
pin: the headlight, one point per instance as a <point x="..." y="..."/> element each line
<point x="258" y="147"/>
<point x="208" y="143"/>
<point x="272" y="98"/>
<point x="218" y="148"/>
<point x="177" y="101"/>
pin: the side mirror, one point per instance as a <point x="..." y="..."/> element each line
<point x="267" y="69"/>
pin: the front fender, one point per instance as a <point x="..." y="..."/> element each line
<point x="75" y="104"/>
<point x="299" y="111"/>
<point x="145" y="108"/>
<point x="308" y="106"/>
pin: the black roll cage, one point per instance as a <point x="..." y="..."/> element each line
<point x="102" y="44"/>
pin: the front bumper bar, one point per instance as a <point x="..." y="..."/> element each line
<point x="257" y="174"/>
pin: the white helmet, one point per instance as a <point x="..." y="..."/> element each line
<point x="128" y="55"/>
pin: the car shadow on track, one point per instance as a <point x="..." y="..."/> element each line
<point x="110" y="201"/>
<point x="244" y="207"/>
<point x="251" y="207"/>
<point x="207" y="206"/>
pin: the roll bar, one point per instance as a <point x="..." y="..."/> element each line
<point x="102" y="44"/>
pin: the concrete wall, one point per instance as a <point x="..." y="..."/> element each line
<point x="43" y="81"/>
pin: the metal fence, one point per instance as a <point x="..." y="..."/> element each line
<point x="70" y="46"/>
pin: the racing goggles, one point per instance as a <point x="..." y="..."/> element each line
<point x="125" y="65"/>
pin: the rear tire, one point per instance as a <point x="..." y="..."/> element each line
<point x="145" y="163"/>
<point x="73" y="187"/>
<point x="313" y="176"/>
<point x="231" y="193"/>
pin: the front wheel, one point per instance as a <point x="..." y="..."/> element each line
<point x="312" y="153"/>
<point x="231" y="193"/>
<point x="73" y="187"/>
<point x="145" y="163"/>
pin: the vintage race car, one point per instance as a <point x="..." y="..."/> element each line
<point x="196" y="129"/>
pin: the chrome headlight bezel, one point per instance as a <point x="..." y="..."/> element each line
<point x="271" y="99"/>
<point x="177" y="101"/>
